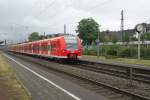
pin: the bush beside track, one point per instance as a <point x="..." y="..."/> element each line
<point x="115" y="51"/>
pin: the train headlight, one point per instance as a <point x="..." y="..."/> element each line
<point x="64" y="50"/>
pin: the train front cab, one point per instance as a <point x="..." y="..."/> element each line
<point x="73" y="47"/>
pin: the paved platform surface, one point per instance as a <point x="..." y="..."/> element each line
<point x="44" y="85"/>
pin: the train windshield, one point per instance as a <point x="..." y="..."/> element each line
<point x="71" y="42"/>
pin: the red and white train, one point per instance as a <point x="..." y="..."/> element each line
<point x="66" y="47"/>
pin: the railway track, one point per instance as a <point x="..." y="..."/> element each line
<point x="136" y="72"/>
<point x="83" y="76"/>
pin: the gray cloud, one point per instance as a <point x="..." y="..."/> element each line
<point x="21" y="17"/>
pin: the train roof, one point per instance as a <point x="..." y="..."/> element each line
<point x="53" y="38"/>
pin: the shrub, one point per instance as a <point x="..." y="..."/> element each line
<point x="128" y="52"/>
<point x="111" y="51"/>
<point x="145" y="53"/>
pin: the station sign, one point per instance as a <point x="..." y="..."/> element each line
<point x="97" y="42"/>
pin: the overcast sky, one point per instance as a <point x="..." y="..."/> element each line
<point x="18" y="18"/>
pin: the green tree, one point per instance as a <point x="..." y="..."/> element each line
<point x="88" y="30"/>
<point x="34" y="36"/>
<point x="45" y="37"/>
<point x="142" y="37"/>
<point x="48" y="36"/>
<point x="126" y="37"/>
<point x="147" y="36"/>
<point x="102" y="37"/>
<point x="42" y="37"/>
<point x="114" y="40"/>
<point x="133" y="38"/>
<point x="106" y="38"/>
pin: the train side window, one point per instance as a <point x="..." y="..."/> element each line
<point x="57" y="45"/>
<point x="45" y="47"/>
<point x="49" y="47"/>
<point x="53" y="46"/>
<point x="36" y="47"/>
<point x="33" y="47"/>
<point x="41" y="47"/>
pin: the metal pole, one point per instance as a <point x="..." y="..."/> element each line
<point x="44" y="36"/>
<point x="5" y="43"/>
<point x="122" y="25"/>
<point x="64" y="28"/>
<point x="98" y="46"/>
<point x="139" y="47"/>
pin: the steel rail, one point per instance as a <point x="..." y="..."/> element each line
<point x="113" y="70"/>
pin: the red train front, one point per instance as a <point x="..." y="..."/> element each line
<point x="66" y="47"/>
<point x="71" y="47"/>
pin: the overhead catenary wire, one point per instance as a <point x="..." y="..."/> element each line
<point x="80" y="13"/>
<point x="68" y="18"/>
<point x="45" y="9"/>
<point x="37" y="15"/>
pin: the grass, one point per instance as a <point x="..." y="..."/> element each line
<point x="120" y="60"/>
<point x="9" y="81"/>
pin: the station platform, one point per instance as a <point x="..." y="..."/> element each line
<point x="44" y="85"/>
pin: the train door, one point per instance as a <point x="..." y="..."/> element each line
<point x="58" y="47"/>
<point x="49" y="47"/>
<point x="36" y="48"/>
<point x="45" y="48"/>
<point x="40" y="48"/>
<point x="53" y="48"/>
<point x="30" y="48"/>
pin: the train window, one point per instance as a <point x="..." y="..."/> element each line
<point x="41" y="47"/>
<point x="35" y="47"/>
<point x="71" y="42"/>
<point x="44" y="47"/>
<point x="53" y="47"/>
<point x="49" y="47"/>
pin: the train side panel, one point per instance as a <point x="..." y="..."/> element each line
<point x="59" y="47"/>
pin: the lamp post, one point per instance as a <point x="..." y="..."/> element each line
<point x="139" y="46"/>
<point x="98" y="44"/>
